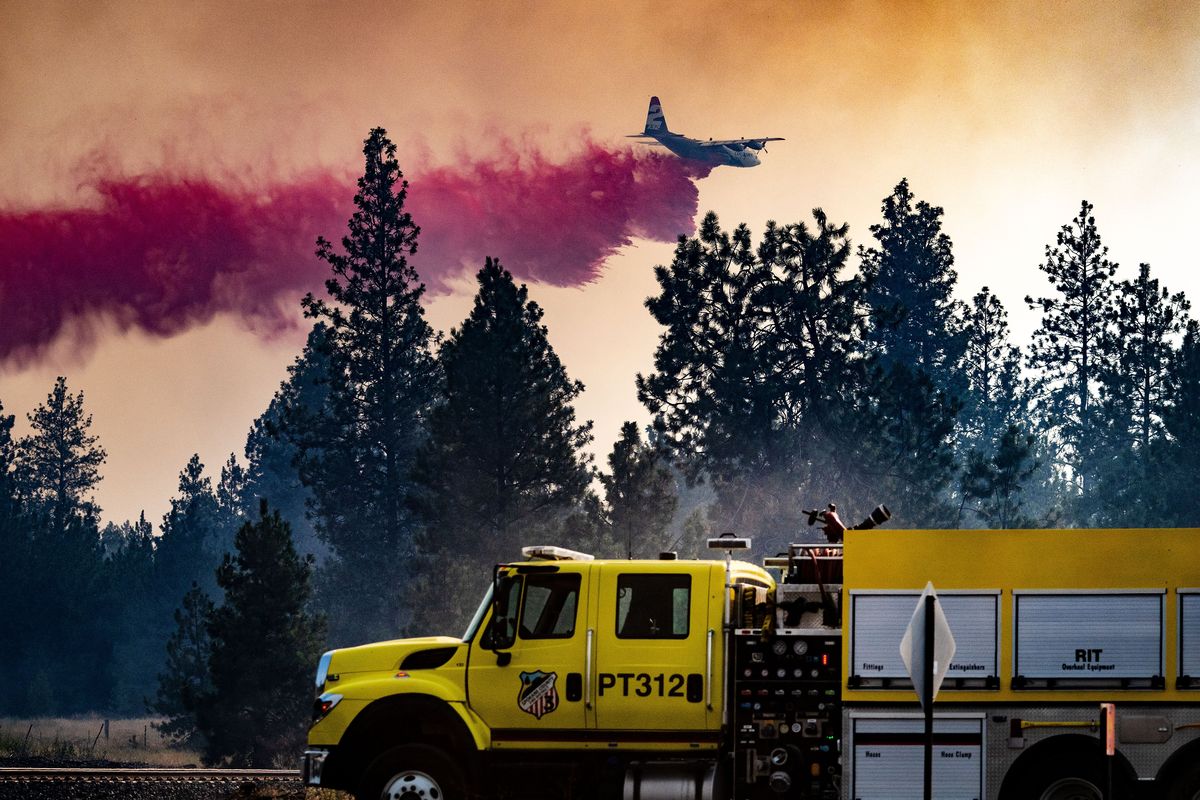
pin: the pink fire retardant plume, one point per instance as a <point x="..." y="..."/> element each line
<point x="161" y="253"/>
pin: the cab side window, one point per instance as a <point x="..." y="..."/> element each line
<point x="653" y="606"/>
<point x="548" y="610"/>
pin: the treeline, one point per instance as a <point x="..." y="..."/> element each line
<point x="790" y="371"/>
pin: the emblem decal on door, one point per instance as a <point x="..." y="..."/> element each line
<point x="538" y="695"/>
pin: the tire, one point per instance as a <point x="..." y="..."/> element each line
<point x="1069" y="779"/>
<point x="413" y="772"/>
<point x="1186" y="784"/>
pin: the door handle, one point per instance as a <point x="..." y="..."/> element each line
<point x="708" y="662"/>
<point x="587" y="670"/>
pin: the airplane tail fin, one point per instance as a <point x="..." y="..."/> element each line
<point x="656" y="122"/>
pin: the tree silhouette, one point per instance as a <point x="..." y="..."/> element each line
<point x="994" y="485"/>
<point x="185" y="681"/>
<point x="1068" y="349"/>
<point x="639" y="492"/>
<point x="61" y="458"/>
<point x="357" y="450"/>
<point x="911" y="278"/>
<point x="504" y="457"/>
<point x="263" y="645"/>
<point x="757" y="366"/>
<point x="995" y="397"/>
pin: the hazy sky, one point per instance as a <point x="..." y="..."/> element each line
<point x="1005" y="114"/>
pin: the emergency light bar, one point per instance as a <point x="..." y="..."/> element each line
<point x="548" y="552"/>
<point x="727" y="541"/>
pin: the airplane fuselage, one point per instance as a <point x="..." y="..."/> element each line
<point x="719" y="155"/>
<point x="727" y="152"/>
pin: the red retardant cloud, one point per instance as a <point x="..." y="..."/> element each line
<point x="160" y="253"/>
<point x="546" y="221"/>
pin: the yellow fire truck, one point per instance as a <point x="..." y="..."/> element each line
<point x="709" y="680"/>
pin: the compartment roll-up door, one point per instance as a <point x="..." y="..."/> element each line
<point x="1189" y="637"/>
<point x="879" y="620"/>
<point x="889" y="758"/>
<point x="1089" y="636"/>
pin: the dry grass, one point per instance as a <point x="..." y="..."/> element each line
<point x="129" y="741"/>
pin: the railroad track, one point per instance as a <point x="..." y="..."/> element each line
<point x="146" y="773"/>
<point x="156" y="783"/>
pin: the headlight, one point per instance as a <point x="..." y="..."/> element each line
<point x="324" y="704"/>
<point x="323" y="669"/>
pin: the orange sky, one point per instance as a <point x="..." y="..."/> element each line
<point x="1007" y="115"/>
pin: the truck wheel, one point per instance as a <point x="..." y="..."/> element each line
<point x="1071" y="780"/>
<point x="1186" y="785"/>
<point x="413" y="772"/>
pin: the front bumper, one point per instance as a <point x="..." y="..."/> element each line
<point x="313" y="766"/>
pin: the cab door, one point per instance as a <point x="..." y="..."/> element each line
<point x="656" y="648"/>
<point x="525" y="673"/>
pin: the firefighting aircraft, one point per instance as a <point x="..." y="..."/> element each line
<point x="731" y="152"/>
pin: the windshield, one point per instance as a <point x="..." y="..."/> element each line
<point x="473" y="628"/>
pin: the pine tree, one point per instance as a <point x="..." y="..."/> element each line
<point x="911" y="279"/>
<point x="62" y="459"/>
<point x="185" y="680"/>
<point x="815" y="314"/>
<point x="994" y="397"/>
<point x="993" y="486"/>
<point x="263" y="645"/>
<point x="1135" y="392"/>
<point x="505" y="452"/>
<point x="273" y="471"/>
<point x="904" y="428"/>
<point x="712" y="392"/>
<point x="10" y="503"/>
<point x="62" y="570"/>
<point x="1147" y="321"/>
<point x="357" y="450"/>
<point x="639" y="492"/>
<point x="1068" y="349"/>
<point x="132" y="614"/>
<point x="1180" y="452"/>
<point x="757" y="365"/>
<point x="907" y="409"/>
<point x="189" y="549"/>
<point x="17" y="591"/>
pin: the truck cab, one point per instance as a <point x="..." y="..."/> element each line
<point x="576" y="675"/>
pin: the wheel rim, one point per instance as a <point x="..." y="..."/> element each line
<point x="412" y="784"/>
<point x="1072" y="789"/>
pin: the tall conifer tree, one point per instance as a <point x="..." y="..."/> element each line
<point x="357" y="450"/>
<point x="994" y="396"/>
<point x="505" y="455"/>
<point x="908" y="407"/>
<point x="1136" y="390"/>
<point x="1069" y="349"/>
<point x="639" y="493"/>
<point x="185" y="680"/>
<point x="911" y="278"/>
<point x="757" y="366"/>
<point x="62" y="459"/>
<point x="263" y="643"/>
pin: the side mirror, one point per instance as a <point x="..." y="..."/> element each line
<point x="501" y="631"/>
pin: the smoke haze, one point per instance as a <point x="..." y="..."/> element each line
<point x="160" y="253"/>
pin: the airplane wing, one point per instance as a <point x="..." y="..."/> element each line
<point x="756" y="143"/>
<point x="646" y="140"/>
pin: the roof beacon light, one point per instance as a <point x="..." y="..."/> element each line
<point x="728" y="542"/>
<point x="548" y="552"/>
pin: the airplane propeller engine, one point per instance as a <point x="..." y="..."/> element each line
<point x="757" y="144"/>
